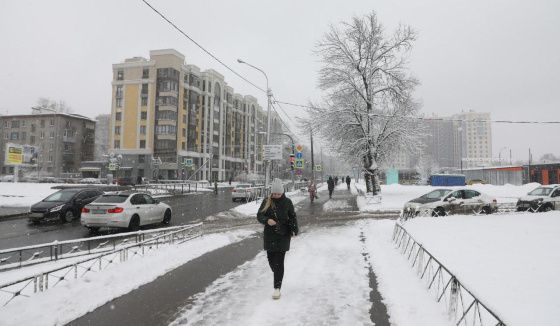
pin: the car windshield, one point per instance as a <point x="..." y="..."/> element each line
<point x="111" y="199"/>
<point x="62" y="196"/>
<point x="436" y="194"/>
<point x="541" y="191"/>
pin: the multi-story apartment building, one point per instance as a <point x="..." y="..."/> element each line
<point x="101" y="136"/>
<point x="62" y="141"/>
<point x="439" y="142"/>
<point x="473" y="139"/>
<point x="165" y="111"/>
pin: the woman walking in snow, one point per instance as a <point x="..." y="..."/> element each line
<point x="280" y="223"/>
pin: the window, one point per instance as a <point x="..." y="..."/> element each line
<point x="118" y="102"/>
<point x="144" y="101"/>
<point x="184" y="132"/>
<point x="32" y="140"/>
<point x="23" y="135"/>
<point x="141" y="158"/>
<point x="117" y="130"/>
<point x="51" y="134"/>
<point x="142" y="130"/>
<point x="183" y="145"/>
<point x="120" y="74"/>
<point x="6" y="123"/>
<point x="119" y="91"/>
<point x="145" y="73"/>
<point x="42" y="135"/>
<point x="143" y="115"/>
<point x="142" y="143"/>
<point x="15" y="124"/>
<point x="42" y="123"/>
<point x="14" y="135"/>
<point x="51" y="147"/>
<point x="51" y="122"/>
<point x="117" y="144"/>
<point x="32" y="128"/>
<point x="118" y="116"/>
<point x="140" y="172"/>
<point x="184" y="118"/>
<point x="50" y="158"/>
<point x="138" y="199"/>
<point x="7" y="135"/>
<point x="145" y="89"/>
<point x="148" y="199"/>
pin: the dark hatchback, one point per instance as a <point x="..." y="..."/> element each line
<point x="65" y="204"/>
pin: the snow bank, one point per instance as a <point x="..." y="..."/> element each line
<point x="67" y="301"/>
<point x="511" y="262"/>
<point x="252" y="208"/>
<point x="24" y="194"/>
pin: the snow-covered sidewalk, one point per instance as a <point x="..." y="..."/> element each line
<point x="326" y="283"/>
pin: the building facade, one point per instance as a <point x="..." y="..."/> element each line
<point x="165" y="112"/>
<point x="473" y="139"/>
<point x="102" y="123"/>
<point x="62" y="141"/>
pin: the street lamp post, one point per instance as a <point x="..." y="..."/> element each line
<point x="268" y="95"/>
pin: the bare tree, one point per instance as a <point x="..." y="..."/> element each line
<point x="366" y="80"/>
<point x="58" y="106"/>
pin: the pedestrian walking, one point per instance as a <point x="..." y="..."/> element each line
<point x="335" y="181"/>
<point x="278" y="216"/>
<point x="348" y="181"/>
<point x="330" y="185"/>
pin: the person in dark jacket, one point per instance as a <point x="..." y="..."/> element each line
<point x="278" y="216"/>
<point x="330" y="185"/>
<point x="348" y="181"/>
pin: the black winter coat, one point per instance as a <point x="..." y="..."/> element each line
<point x="277" y="237"/>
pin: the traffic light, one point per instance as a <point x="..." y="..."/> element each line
<point x="292" y="161"/>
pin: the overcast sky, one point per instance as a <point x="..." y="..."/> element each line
<point x="501" y="57"/>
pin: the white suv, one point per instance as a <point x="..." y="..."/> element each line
<point x="124" y="210"/>
<point x="541" y="199"/>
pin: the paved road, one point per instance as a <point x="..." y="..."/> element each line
<point x="186" y="209"/>
<point x="157" y="303"/>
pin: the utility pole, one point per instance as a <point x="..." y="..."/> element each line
<point x="322" y="166"/>
<point x="529" y="167"/>
<point x="312" y="159"/>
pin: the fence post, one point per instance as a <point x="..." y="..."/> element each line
<point x="453" y="296"/>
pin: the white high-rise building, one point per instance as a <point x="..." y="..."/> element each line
<point x="473" y="139"/>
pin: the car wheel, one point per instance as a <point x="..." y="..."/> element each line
<point x="166" y="217"/>
<point x="486" y="210"/>
<point x="93" y="229"/>
<point x="547" y="208"/>
<point x="134" y="224"/>
<point x="35" y="222"/>
<point x="67" y="217"/>
<point x="439" y="212"/>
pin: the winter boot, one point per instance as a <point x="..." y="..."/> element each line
<point x="276" y="294"/>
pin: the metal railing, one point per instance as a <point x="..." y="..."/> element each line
<point x="502" y="208"/>
<point x="57" y="250"/>
<point x="169" y="188"/>
<point x="28" y="286"/>
<point x="462" y="306"/>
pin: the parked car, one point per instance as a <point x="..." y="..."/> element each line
<point x="125" y="210"/>
<point x="243" y="191"/>
<point x="90" y="181"/>
<point x="541" y="199"/>
<point x="65" y="204"/>
<point x="441" y="202"/>
<point x="7" y="178"/>
<point x="125" y="181"/>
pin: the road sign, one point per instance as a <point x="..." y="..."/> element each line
<point x="318" y="167"/>
<point x="299" y="172"/>
<point x="188" y="162"/>
<point x="299" y="164"/>
<point x="299" y="148"/>
<point x="299" y="155"/>
<point x="14" y="154"/>
<point x="113" y="166"/>
<point x="272" y="152"/>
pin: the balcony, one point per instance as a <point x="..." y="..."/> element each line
<point x="166" y="136"/>
<point x="166" y="122"/>
<point x="169" y="93"/>
<point x="167" y="107"/>
<point x="68" y="139"/>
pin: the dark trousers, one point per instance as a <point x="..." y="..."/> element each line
<point x="330" y="192"/>
<point x="276" y="262"/>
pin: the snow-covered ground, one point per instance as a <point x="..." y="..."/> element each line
<point x="24" y="194"/>
<point x="66" y="302"/>
<point x="511" y="262"/>
<point x="326" y="282"/>
<point x="393" y="197"/>
<point x="251" y="208"/>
